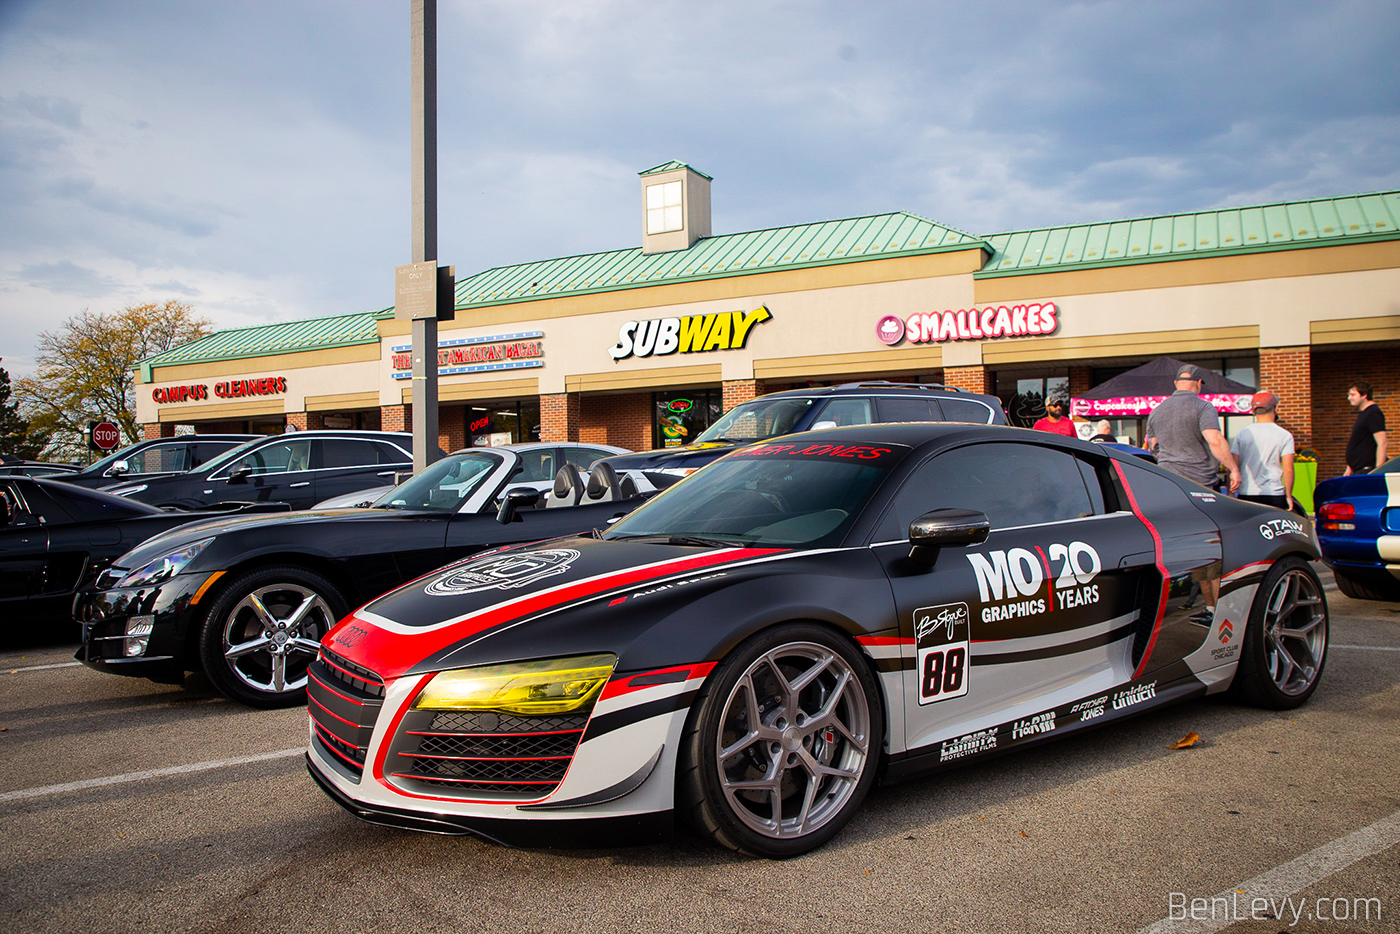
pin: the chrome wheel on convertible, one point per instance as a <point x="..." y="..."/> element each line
<point x="785" y="744"/>
<point x="264" y="630"/>
<point x="1286" y="643"/>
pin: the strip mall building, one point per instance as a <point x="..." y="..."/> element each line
<point x="645" y="346"/>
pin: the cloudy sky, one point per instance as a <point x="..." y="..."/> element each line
<point x="252" y="158"/>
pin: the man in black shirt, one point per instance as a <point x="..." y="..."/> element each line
<point x="1366" y="449"/>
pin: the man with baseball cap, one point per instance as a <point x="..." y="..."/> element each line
<point x="1184" y="432"/>
<point x="1265" y="450"/>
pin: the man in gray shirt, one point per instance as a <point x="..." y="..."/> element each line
<point x="1184" y="432"/>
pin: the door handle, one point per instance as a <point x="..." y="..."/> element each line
<point x="386" y="473"/>
<point x="302" y="483"/>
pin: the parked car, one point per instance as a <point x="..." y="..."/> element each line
<point x="781" y="413"/>
<point x="247" y="600"/>
<point x="300" y="469"/>
<point x="55" y="538"/>
<point x="158" y="457"/>
<point x="11" y="466"/>
<point x="753" y="647"/>
<point x="540" y="462"/>
<point x="1358" y="524"/>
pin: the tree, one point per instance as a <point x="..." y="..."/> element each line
<point x="84" y="370"/>
<point x="15" y="435"/>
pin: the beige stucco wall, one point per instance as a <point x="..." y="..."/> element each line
<point x="301" y="382"/>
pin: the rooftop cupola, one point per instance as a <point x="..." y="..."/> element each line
<point x="675" y="207"/>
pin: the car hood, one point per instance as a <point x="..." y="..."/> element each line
<point x="433" y="623"/>
<point x="198" y="530"/>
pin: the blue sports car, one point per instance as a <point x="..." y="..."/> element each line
<point x="1358" y="523"/>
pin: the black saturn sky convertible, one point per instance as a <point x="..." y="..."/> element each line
<point x="247" y="600"/>
<point x="757" y="645"/>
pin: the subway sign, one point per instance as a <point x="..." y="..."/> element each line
<point x="1035" y="319"/>
<point x="476" y="354"/>
<point x="657" y="337"/>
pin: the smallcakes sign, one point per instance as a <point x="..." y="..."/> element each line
<point x="1032" y="320"/>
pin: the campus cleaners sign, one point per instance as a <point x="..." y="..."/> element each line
<point x="1034" y="320"/>
<point x="727" y="330"/>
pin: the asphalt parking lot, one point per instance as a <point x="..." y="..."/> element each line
<point x="131" y="806"/>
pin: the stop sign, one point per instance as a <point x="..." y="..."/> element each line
<point x="105" y="435"/>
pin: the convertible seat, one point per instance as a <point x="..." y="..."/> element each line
<point x="603" y="485"/>
<point x="568" y="487"/>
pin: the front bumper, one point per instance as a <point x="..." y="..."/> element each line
<point x="366" y="743"/>
<point x="104" y="614"/>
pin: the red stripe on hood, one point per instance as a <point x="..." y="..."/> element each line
<point x="390" y="654"/>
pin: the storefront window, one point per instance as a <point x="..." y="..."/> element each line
<point x="1023" y="394"/>
<point x="681" y="416"/>
<point x="497" y="423"/>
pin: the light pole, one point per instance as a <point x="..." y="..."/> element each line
<point x="422" y="292"/>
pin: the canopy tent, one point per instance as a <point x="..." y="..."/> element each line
<point x="1137" y="392"/>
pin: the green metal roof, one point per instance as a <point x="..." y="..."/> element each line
<point x="266" y="339"/>
<point x="1263" y="228"/>
<point x="671" y="167"/>
<point x="879" y="236"/>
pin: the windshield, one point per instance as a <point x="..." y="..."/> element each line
<point x="774" y="494"/>
<point x="215" y="463"/>
<point x="1390" y="466"/>
<point x="444" y="485"/>
<point x="754" y="421"/>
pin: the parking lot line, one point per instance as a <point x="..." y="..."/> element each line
<point x="1369" y="648"/>
<point x="1292" y="877"/>
<point x="44" y="790"/>
<point x="15" y="671"/>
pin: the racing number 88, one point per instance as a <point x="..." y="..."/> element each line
<point x="943" y="671"/>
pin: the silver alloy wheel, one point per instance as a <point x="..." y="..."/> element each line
<point x="272" y="635"/>
<point x="794" y="740"/>
<point x="1295" y="632"/>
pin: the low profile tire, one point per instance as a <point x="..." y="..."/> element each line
<point x="1285" y="642"/>
<point x="782" y="744"/>
<point x="1359" y="590"/>
<point x="262" y="631"/>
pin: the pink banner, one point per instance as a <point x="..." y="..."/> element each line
<point x="1131" y="406"/>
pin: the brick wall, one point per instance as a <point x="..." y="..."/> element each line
<point x="625" y="421"/>
<point x="306" y="421"/>
<point x="1081" y="380"/>
<point x="396" y="418"/>
<point x="1332" y="417"/>
<point x="452" y="428"/>
<point x="1287" y="373"/>
<point x="741" y="390"/>
<point x="559" y="417"/>
<point x="971" y="378"/>
<point x="150" y="431"/>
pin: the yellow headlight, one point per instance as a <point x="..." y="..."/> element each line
<point x="546" y="686"/>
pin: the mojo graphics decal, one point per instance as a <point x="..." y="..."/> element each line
<point x="1010" y="582"/>
<point x="657" y="337"/>
<point x="942" y="634"/>
<point x="504" y="573"/>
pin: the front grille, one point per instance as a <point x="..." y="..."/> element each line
<point x="344" y="700"/>
<point x="475" y="755"/>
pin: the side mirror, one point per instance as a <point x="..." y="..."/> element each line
<point x="824" y="423"/>
<point x="240" y="474"/>
<point x="118" y="469"/>
<point x="22" y="519"/>
<point x="946" y="527"/>
<point x="518" y="498"/>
